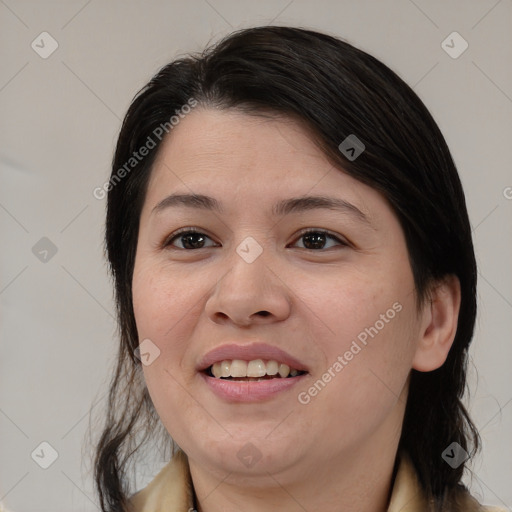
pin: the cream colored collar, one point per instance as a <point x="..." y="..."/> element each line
<point x="171" y="491"/>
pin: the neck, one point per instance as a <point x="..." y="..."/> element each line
<point x="358" y="481"/>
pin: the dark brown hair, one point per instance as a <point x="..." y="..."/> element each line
<point x="336" y="90"/>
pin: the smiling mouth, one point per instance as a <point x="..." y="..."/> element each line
<point x="251" y="371"/>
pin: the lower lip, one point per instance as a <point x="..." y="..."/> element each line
<point x="250" y="391"/>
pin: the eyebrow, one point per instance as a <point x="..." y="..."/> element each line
<point x="281" y="208"/>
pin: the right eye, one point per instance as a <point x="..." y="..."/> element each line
<point x="190" y="238"/>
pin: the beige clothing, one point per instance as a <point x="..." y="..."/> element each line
<point x="172" y="491"/>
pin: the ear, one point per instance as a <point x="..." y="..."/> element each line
<point x="438" y="325"/>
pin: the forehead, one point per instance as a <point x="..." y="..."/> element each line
<point x="229" y="139"/>
<point x="248" y="161"/>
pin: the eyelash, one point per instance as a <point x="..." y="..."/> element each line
<point x="185" y="231"/>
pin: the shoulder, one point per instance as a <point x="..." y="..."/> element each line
<point x="464" y="501"/>
<point x="169" y="490"/>
<point x="408" y="495"/>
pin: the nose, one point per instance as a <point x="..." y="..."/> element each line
<point x="249" y="293"/>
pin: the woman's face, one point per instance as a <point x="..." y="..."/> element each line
<point x="340" y="305"/>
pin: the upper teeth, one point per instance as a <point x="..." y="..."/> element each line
<point x="255" y="368"/>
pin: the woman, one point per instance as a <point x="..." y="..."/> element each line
<point x="296" y="287"/>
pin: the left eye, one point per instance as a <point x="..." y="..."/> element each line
<point x="193" y="239"/>
<point x="316" y="238"/>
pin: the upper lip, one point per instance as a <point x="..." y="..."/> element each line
<point x="249" y="352"/>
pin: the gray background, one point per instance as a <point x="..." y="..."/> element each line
<point x="59" y="118"/>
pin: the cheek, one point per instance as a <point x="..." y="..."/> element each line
<point x="345" y="303"/>
<point x="167" y="307"/>
<point x="368" y="351"/>
<point x="145" y="297"/>
<point x="161" y="300"/>
<point x="367" y="367"/>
